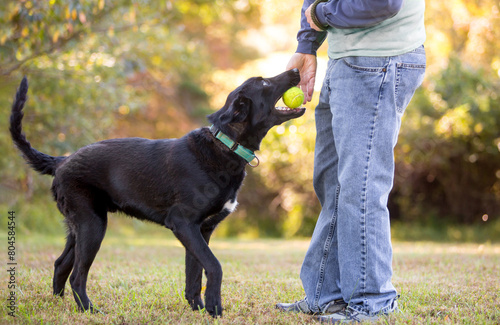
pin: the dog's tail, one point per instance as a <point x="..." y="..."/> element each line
<point x="42" y="163"/>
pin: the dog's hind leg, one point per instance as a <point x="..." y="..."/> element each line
<point x="64" y="265"/>
<point x="89" y="231"/>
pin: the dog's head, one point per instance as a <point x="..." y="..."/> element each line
<point x="250" y="110"/>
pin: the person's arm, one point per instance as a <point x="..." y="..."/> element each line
<point x="304" y="59"/>
<point x="338" y="14"/>
<point x="309" y="39"/>
<point x="355" y="13"/>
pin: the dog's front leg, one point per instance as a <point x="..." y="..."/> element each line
<point x="190" y="236"/>
<point x="194" y="269"/>
<point x="194" y="272"/>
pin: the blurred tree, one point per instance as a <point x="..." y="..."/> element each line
<point x="89" y="62"/>
<point x="448" y="158"/>
<point x="449" y="155"/>
<point x="107" y="68"/>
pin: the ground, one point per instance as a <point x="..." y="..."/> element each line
<point x="140" y="279"/>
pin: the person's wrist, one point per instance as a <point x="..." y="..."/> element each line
<point x="314" y="17"/>
<point x="306" y="48"/>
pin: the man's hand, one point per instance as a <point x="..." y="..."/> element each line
<point x="306" y="63"/>
<point x="309" y="19"/>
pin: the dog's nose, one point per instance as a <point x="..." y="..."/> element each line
<point x="296" y="75"/>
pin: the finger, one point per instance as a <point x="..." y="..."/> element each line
<point x="305" y="90"/>
<point x="303" y="87"/>
<point x="310" y="89"/>
<point x="307" y="13"/>
<point x="295" y="62"/>
<point x="311" y="23"/>
<point x="306" y="95"/>
<point x="291" y="64"/>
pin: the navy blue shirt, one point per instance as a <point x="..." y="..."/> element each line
<point x="343" y="14"/>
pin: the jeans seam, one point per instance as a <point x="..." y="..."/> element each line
<point x="328" y="73"/>
<point x="399" y="69"/>
<point x="364" y="248"/>
<point x="363" y="69"/>
<point x="396" y="89"/>
<point x="410" y="65"/>
<point x="326" y="251"/>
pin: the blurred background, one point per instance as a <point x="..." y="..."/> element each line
<point x="123" y="68"/>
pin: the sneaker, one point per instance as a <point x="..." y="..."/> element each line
<point x="335" y="306"/>
<point x="301" y="306"/>
<point x="347" y="316"/>
<point x="350" y="315"/>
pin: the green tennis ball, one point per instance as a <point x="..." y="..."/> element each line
<point x="293" y="97"/>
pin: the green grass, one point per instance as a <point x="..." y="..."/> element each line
<point x="140" y="280"/>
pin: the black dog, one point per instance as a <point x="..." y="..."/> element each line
<point x="188" y="185"/>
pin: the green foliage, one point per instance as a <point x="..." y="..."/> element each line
<point x="114" y="68"/>
<point x="288" y="153"/>
<point x="88" y="62"/>
<point x="448" y="157"/>
<point x="37" y="215"/>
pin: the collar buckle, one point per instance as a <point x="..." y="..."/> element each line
<point x="234" y="147"/>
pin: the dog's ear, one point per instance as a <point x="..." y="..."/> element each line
<point x="237" y="111"/>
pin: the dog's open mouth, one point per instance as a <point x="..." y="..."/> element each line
<point x="283" y="109"/>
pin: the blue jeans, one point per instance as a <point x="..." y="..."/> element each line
<point x="358" y="118"/>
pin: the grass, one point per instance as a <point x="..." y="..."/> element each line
<point x="140" y="280"/>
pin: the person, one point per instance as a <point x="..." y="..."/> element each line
<point x="376" y="62"/>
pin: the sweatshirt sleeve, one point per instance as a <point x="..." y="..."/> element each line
<point x="356" y="13"/>
<point x="309" y="40"/>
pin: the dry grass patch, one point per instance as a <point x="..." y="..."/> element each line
<point x="141" y="281"/>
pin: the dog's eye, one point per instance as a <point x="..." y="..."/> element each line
<point x="265" y="82"/>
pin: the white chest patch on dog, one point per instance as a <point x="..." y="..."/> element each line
<point x="231" y="205"/>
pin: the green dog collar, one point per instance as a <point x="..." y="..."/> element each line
<point x="235" y="147"/>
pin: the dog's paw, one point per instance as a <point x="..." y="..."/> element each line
<point x="91" y="309"/>
<point x="95" y="310"/>
<point x="215" y="311"/>
<point x="58" y="293"/>
<point x="196" y="303"/>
